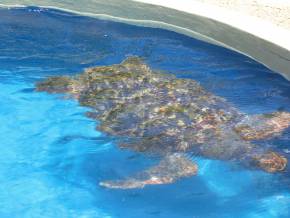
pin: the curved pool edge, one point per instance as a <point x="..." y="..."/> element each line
<point x="263" y="41"/>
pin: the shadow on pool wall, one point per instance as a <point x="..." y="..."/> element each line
<point x="37" y="43"/>
<point x="94" y="42"/>
<point x="249" y="35"/>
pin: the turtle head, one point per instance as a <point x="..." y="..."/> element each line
<point x="271" y="162"/>
<point x="55" y="84"/>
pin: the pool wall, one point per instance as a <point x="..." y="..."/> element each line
<point x="263" y="41"/>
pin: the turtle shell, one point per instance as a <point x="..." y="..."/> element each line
<point x="159" y="110"/>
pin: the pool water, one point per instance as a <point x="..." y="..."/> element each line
<point x="52" y="158"/>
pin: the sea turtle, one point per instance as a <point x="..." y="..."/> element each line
<point x="151" y="111"/>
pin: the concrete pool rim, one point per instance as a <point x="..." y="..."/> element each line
<point x="253" y="37"/>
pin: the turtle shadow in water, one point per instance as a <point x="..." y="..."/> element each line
<point x="170" y="117"/>
<point x="184" y="198"/>
<point x="171" y="200"/>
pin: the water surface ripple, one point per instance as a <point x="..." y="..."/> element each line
<point x="52" y="159"/>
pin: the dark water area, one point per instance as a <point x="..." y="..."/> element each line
<point x="52" y="158"/>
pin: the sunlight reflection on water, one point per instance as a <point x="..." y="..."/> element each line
<point x="52" y="158"/>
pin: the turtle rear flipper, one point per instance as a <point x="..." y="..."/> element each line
<point x="169" y="169"/>
<point x="263" y="126"/>
<point x="270" y="162"/>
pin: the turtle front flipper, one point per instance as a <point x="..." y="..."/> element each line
<point x="263" y="126"/>
<point x="169" y="169"/>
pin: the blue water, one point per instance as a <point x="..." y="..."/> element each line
<point x="51" y="157"/>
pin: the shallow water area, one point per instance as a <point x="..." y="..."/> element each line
<point x="52" y="158"/>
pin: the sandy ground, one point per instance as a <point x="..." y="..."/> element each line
<point x="275" y="11"/>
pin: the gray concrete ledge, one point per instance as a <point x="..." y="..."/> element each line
<point x="263" y="41"/>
